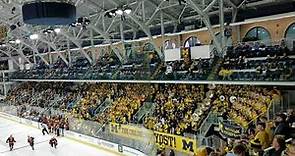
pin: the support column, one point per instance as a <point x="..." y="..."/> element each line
<point x="121" y="31"/>
<point x="207" y="22"/>
<point x="92" y="46"/>
<point x="162" y="31"/>
<point x="143" y="11"/>
<point x="221" y="21"/>
<point x="50" y="54"/>
<point x="69" y="52"/>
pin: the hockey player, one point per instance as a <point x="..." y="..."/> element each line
<point x="53" y="142"/>
<point x="31" y="141"/>
<point x="44" y="128"/>
<point x="11" y="142"/>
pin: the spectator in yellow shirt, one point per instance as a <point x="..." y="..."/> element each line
<point x="262" y="135"/>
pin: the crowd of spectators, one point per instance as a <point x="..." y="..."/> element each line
<point x="179" y="108"/>
<point x="84" y="102"/>
<point x="130" y="97"/>
<point x="92" y="96"/>
<point x="257" y="49"/>
<point x="176" y="106"/>
<point x="269" y="138"/>
<point x="198" y="69"/>
<point x="39" y="94"/>
<point x="243" y="104"/>
<point x="258" y="62"/>
<point x="107" y="67"/>
<point x="139" y="67"/>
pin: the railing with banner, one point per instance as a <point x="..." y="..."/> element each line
<point x="89" y="131"/>
<point x="214" y="129"/>
<point x="135" y="136"/>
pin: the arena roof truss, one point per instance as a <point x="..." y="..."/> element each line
<point x="146" y="19"/>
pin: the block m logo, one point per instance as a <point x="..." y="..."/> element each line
<point x="187" y="145"/>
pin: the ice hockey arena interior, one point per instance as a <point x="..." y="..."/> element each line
<point x="147" y="77"/>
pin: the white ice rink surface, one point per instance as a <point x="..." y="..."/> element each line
<point x="66" y="147"/>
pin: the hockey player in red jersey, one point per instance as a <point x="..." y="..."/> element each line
<point x="31" y="141"/>
<point x="53" y="142"/>
<point x="11" y="142"/>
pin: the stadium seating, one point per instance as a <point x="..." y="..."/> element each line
<point x="175" y="108"/>
<point x="255" y="61"/>
<point x="243" y="104"/>
<point x="179" y="108"/>
<point x="245" y="62"/>
<point x="179" y="70"/>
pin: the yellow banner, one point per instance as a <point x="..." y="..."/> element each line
<point x="171" y="141"/>
<point x="128" y="131"/>
<point x="176" y="142"/>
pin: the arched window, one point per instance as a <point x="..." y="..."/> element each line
<point x="192" y="42"/>
<point x="290" y="32"/>
<point x="169" y="45"/>
<point x="258" y="34"/>
<point x="148" y="47"/>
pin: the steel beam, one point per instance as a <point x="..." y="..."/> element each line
<point x="207" y="22"/>
<point x="10" y="57"/>
<point x="221" y="21"/>
<point x="40" y="39"/>
<point x="166" y="13"/>
<point x="143" y="10"/>
<point x="73" y="40"/>
<point x="155" y="13"/>
<point x="56" y="50"/>
<point x="162" y="31"/>
<point x="19" y="52"/>
<point x="146" y="30"/>
<point x="35" y="51"/>
<point x="69" y="52"/>
<point x="107" y="37"/>
<point x="209" y="7"/>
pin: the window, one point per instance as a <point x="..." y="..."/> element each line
<point x="169" y="45"/>
<point x="192" y="42"/>
<point x="290" y="33"/>
<point x="257" y="34"/>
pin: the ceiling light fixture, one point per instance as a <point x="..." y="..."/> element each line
<point x="57" y="30"/>
<point x="17" y="41"/>
<point x="128" y="11"/>
<point x="119" y="12"/>
<point x="34" y="36"/>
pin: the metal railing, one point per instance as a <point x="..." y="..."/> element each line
<point x="91" y="128"/>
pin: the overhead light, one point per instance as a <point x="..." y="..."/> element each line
<point x="57" y="30"/>
<point x="119" y="12"/>
<point x="14" y="41"/>
<point x="34" y="36"/>
<point x="112" y="14"/>
<point x="17" y="41"/>
<point x="50" y="30"/>
<point x="3" y="45"/>
<point x="73" y="24"/>
<point x="127" y="11"/>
